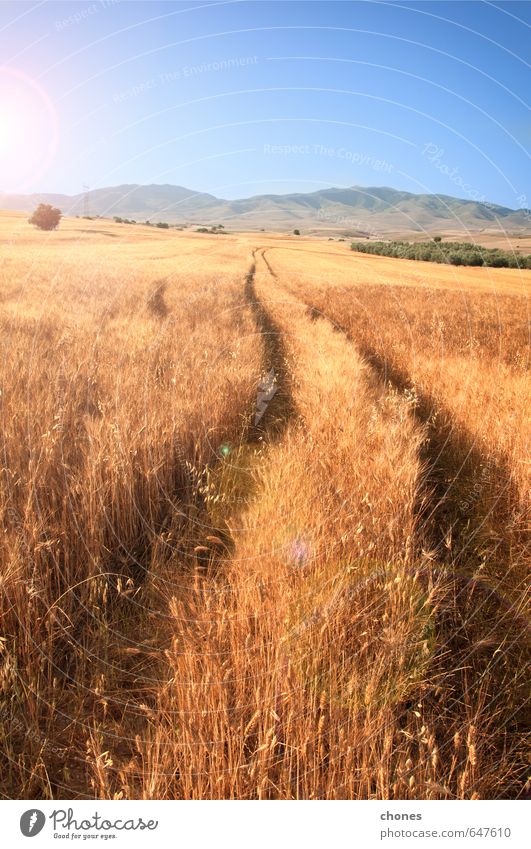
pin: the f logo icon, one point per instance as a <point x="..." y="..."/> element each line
<point x="32" y="822"/>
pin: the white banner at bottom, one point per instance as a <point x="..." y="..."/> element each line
<point x="267" y="824"/>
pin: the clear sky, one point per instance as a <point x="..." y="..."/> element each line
<point x="242" y="98"/>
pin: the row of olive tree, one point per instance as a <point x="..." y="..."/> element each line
<point x="453" y="253"/>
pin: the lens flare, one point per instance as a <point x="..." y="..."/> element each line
<point x="29" y="131"/>
<point x="299" y="552"/>
<point x="6" y="134"/>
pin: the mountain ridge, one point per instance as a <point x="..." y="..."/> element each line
<point x="372" y="210"/>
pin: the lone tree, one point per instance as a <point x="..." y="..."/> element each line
<point x="46" y="217"/>
<point x="296" y="232"/>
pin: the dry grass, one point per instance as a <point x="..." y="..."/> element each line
<point x="461" y="354"/>
<point x="198" y="606"/>
<point x="103" y="429"/>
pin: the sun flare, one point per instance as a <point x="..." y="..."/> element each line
<point x="28" y="130"/>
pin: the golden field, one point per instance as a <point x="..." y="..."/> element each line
<point x="264" y="507"/>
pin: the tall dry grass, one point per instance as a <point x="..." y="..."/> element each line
<point x="196" y="605"/>
<point x="110" y="412"/>
<point x="459" y="357"/>
<point x="462" y="357"/>
<point x="288" y="671"/>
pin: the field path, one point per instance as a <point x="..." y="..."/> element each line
<point x="329" y="391"/>
<point x="479" y="609"/>
<point x="447" y="453"/>
<point x="280" y="407"/>
<point x="257" y="495"/>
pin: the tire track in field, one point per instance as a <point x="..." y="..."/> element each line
<point x="268" y="264"/>
<point x="449" y="454"/>
<point x="280" y="408"/>
<point x="478" y="613"/>
<point x="475" y="615"/>
<point x="273" y="409"/>
<point x="451" y="458"/>
<point x="210" y="542"/>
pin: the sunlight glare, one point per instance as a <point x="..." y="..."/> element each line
<point x="28" y="130"/>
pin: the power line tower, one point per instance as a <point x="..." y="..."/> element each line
<point x="86" y="201"/>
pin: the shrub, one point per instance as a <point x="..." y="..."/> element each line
<point x="296" y="232"/>
<point x="455" y="253"/>
<point x="162" y="224"/>
<point x="46" y="217"/>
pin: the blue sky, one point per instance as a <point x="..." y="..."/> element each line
<point x="243" y="98"/>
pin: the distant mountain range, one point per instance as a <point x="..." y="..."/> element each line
<point x="356" y="211"/>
